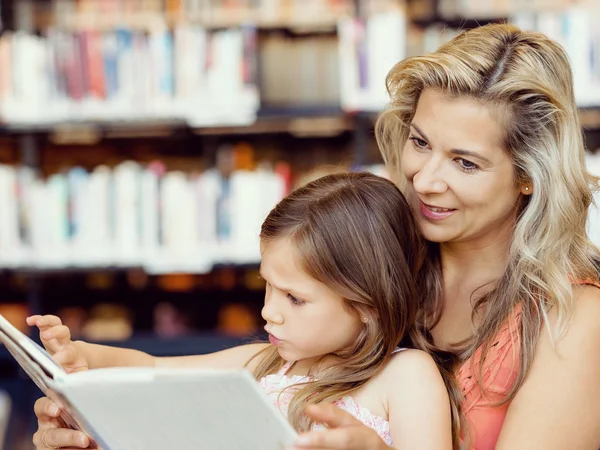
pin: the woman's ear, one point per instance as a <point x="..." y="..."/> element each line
<point x="527" y="189"/>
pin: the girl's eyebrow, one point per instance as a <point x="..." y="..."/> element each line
<point x="294" y="292"/>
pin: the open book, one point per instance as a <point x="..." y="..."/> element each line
<point x="154" y="408"/>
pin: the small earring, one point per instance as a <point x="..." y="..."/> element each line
<point x="526" y="188"/>
<point x="365" y="320"/>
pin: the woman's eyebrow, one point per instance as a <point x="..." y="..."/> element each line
<point x="455" y="151"/>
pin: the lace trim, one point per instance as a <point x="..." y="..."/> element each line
<point x="276" y="383"/>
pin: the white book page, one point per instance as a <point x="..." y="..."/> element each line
<point x="138" y="409"/>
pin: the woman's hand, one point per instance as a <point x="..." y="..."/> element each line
<point x="50" y="433"/>
<point x="344" y="432"/>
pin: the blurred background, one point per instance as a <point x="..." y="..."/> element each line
<point x="142" y="143"/>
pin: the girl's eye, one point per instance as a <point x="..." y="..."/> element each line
<point x="294" y="300"/>
<point x="418" y="142"/>
<point x="466" y="165"/>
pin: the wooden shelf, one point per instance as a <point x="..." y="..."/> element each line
<point x="149" y="21"/>
<point x="460" y="23"/>
<point x="318" y="121"/>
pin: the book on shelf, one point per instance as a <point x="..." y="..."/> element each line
<point x="299" y="72"/>
<point x="189" y="73"/>
<point x="139" y="215"/>
<point x="368" y="49"/>
<point x="134" y="215"/>
<point x="115" y="61"/>
<point x="104" y="14"/>
<point x="577" y="29"/>
<point x="575" y="25"/>
<point x="138" y="408"/>
<point x="497" y="9"/>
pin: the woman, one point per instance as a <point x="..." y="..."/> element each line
<point x="484" y="139"/>
<point x="492" y="162"/>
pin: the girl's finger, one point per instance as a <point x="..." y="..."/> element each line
<point x="61" y="333"/>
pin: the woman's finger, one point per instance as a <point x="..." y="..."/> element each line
<point x="331" y="415"/>
<point x="59" y="438"/>
<point x="352" y="438"/>
<point x="46" y="408"/>
<point x="336" y="439"/>
<point x="344" y="431"/>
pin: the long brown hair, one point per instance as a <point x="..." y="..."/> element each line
<point x="526" y="76"/>
<point x="356" y="234"/>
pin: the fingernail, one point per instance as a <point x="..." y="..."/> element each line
<point x="83" y="441"/>
<point x="54" y="410"/>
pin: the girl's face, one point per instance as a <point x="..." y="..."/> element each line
<point x="305" y="319"/>
<point x="461" y="182"/>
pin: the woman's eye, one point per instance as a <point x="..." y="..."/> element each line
<point x="418" y="142"/>
<point x="467" y="165"/>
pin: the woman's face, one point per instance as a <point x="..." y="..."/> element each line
<point x="461" y="182"/>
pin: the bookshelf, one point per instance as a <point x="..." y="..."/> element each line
<point x="48" y="149"/>
<point x="265" y="31"/>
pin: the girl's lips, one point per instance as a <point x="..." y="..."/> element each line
<point x="433" y="213"/>
<point x="274" y="340"/>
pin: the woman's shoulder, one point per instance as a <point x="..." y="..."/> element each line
<point x="586" y="309"/>
<point x="577" y="343"/>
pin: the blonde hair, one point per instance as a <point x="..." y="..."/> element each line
<point x="527" y="77"/>
<point x="356" y="234"/>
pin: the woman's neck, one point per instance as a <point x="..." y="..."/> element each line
<point x="476" y="259"/>
<point x="468" y="272"/>
<point x="467" y="261"/>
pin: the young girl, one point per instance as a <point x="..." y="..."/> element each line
<point x="338" y="259"/>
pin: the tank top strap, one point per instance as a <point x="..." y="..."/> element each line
<point x="284" y="369"/>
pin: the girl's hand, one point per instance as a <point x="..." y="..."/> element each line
<point x="56" y="338"/>
<point x="344" y="432"/>
<point x="50" y="433"/>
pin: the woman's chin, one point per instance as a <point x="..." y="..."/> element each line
<point x="436" y="234"/>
